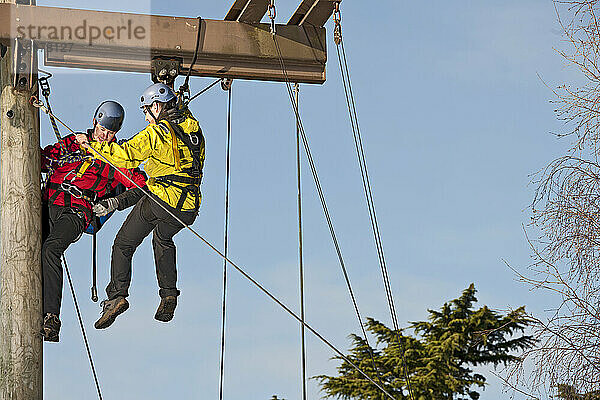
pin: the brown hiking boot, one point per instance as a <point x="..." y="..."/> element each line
<point x="50" y="328"/>
<point x="110" y="310"/>
<point x="166" y="308"/>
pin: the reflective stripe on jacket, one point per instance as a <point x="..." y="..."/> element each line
<point x="162" y="153"/>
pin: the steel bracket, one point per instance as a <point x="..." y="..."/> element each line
<point x="165" y="70"/>
<point x="226" y="83"/>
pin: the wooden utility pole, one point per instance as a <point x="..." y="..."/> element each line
<point x="20" y="233"/>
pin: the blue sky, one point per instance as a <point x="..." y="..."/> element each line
<point x="454" y="119"/>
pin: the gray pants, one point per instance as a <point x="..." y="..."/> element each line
<point x="146" y="217"/>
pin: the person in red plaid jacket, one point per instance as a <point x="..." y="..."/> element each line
<point x="73" y="192"/>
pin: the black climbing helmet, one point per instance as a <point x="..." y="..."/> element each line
<point x="110" y="115"/>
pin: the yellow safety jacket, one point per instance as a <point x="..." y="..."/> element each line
<point x="162" y="154"/>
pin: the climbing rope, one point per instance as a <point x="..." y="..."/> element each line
<point x="272" y="12"/>
<point x="36" y="103"/>
<point x="203" y="90"/>
<point x="64" y="156"/>
<point x="185" y="88"/>
<point x="94" y="288"/>
<point x="300" y="250"/>
<point x="45" y="90"/>
<point x="362" y="160"/>
<point x="226" y="239"/>
<point x="85" y="340"/>
<point x="366" y="182"/>
<point x="324" y="206"/>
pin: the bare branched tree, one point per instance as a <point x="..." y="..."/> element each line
<point x="566" y="219"/>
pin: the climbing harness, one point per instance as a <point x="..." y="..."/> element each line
<point x="40" y="105"/>
<point x="194" y="142"/>
<point x="67" y="158"/>
<point x="69" y="189"/>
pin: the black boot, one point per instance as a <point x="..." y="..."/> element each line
<point x="110" y="310"/>
<point x="166" y="309"/>
<point x="50" y="327"/>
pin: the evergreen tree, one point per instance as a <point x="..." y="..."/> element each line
<point x="568" y="392"/>
<point x="439" y="357"/>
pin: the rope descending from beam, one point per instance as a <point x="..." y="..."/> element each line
<point x="300" y="250"/>
<point x="226" y="240"/>
<point x="203" y="91"/>
<point x="329" y="221"/>
<point x="185" y="88"/>
<point x="366" y="182"/>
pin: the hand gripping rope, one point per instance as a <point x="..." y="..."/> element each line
<point x="36" y="103"/>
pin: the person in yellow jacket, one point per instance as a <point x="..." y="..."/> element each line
<point x="172" y="148"/>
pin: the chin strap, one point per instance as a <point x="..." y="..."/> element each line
<point x="148" y="109"/>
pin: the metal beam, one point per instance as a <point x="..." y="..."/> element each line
<point x="248" y="11"/>
<point x="128" y="42"/>
<point x="313" y="12"/>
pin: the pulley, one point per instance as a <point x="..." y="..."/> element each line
<point x="165" y="70"/>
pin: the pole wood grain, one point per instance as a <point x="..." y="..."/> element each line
<point x="21" y="363"/>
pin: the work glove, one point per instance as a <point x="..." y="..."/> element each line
<point x="105" y="207"/>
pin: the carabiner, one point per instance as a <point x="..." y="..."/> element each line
<point x="272" y="12"/>
<point x="72" y="190"/>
